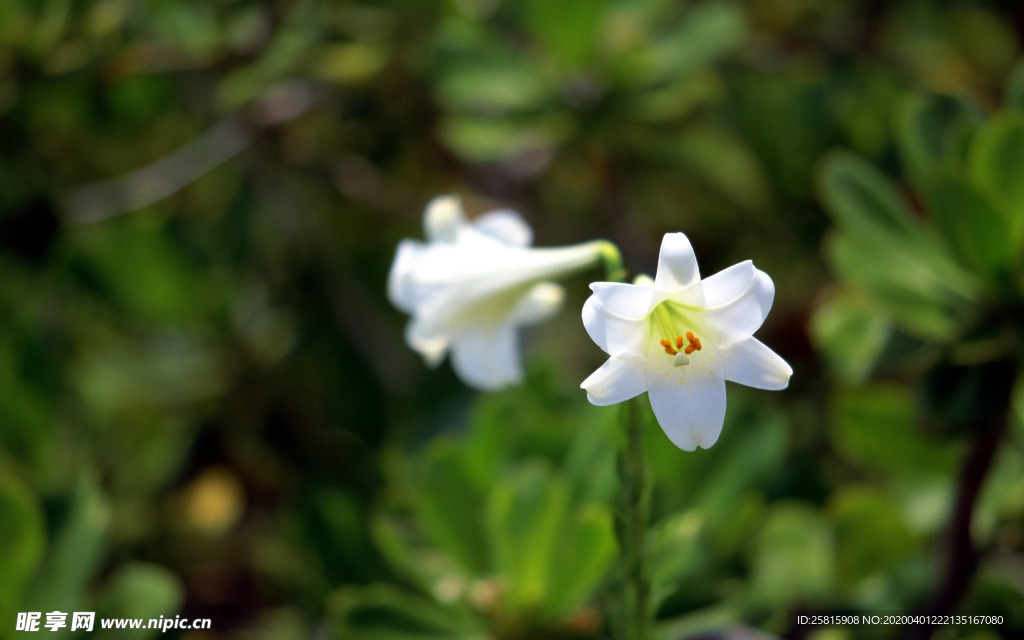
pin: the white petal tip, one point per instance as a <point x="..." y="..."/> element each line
<point x="442" y="218"/>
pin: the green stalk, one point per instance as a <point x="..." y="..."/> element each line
<point x="633" y="533"/>
<point x="612" y="259"/>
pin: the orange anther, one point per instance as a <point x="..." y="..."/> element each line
<point x="689" y="336"/>
<point x="666" y="343"/>
<point x="696" y="343"/>
<point x="679" y="342"/>
<point x="670" y="351"/>
<point x="689" y="349"/>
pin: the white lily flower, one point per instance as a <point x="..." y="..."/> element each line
<point x="473" y="284"/>
<point x="679" y="338"/>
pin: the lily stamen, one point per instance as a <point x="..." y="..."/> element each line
<point x="694" y="345"/>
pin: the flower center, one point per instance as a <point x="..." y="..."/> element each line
<point x="680" y="352"/>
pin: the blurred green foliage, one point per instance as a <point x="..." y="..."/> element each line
<point x="206" y="408"/>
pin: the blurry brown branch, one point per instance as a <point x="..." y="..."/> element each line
<point x="962" y="556"/>
<point x="99" y="201"/>
<point x="166" y="176"/>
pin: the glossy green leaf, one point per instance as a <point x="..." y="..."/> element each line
<point x="851" y="334"/>
<point x="758" y="445"/>
<point x="871" y="538"/>
<point x="140" y="590"/>
<point x="491" y="89"/>
<point x="75" y="552"/>
<point x="138" y="264"/>
<point x="794" y="557"/>
<point x="706" y="32"/>
<point x="876" y="427"/>
<point x="997" y="164"/>
<point x="449" y="506"/>
<point x="1014" y="93"/>
<point x="526" y="519"/>
<point x="490" y="139"/>
<point x="589" y="465"/>
<point x="387" y="612"/>
<point x="674" y="551"/>
<point x="569" y="29"/>
<point x="978" y="232"/>
<point x="907" y="291"/>
<point x="586" y="550"/>
<point x="22" y="540"/>
<point x="933" y="132"/>
<point x="884" y="249"/>
<point x="862" y="200"/>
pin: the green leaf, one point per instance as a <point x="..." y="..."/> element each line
<point x="707" y="32"/>
<point x="405" y="552"/>
<point x="978" y="233"/>
<point x="334" y="526"/>
<point x="1014" y="94"/>
<point x="386" y="612"/>
<point x="910" y="293"/>
<point x="75" y="553"/>
<point x="585" y="552"/>
<point x="674" y="551"/>
<point x="491" y="139"/>
<point x="138" y="263"/>
<point x="793" y="558"/>
<point x="862" y="200"/>
<point x="569" y="29"/>
<point x="491" y="88"/>
<point x="22" y="540"/>
<point x="140" y="590"/>
<point x="290" y="47"/>
<point x="526" y="518"/>
<point x="124" y="375"/>
<point x="997" y="164"/>
<point x="871" y="538"/>
<point x="933" y="132"/>
<point x="851" y="334"/>
<point x="725" y="161"/>
<point x="449" y="506"/>
<point x="589" y="463"/>
<point x="876" y="428"/>
<point x="883" y="248"/>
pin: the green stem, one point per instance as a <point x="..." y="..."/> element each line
<point x="633" y="533"/>
<point x="611" y="257"/>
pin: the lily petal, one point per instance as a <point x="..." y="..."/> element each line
<point x="431" y="347"/>
<point x="677" y="265"/>
<point x="401" y="284"/>
<point x="625" y="301"/>
<point x="728" y="284"/>
<point x="691" y="414"/>
<point x="739" y="319"/>
<point x="487" y="358"/>
<point x="610" y="332"/>
<point x="749" y="362"/>
<point x="505" y="225"/>
<point x="443" y="218"/>
<point x="617" y="380"/>
<point x="543" y="301"/>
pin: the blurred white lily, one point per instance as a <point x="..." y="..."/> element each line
<point x="472" y="285"/>
<point x="679" y="338"/>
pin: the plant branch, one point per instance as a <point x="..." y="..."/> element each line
<point x="961" y="555"/>
<point x="635" y="494"/>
